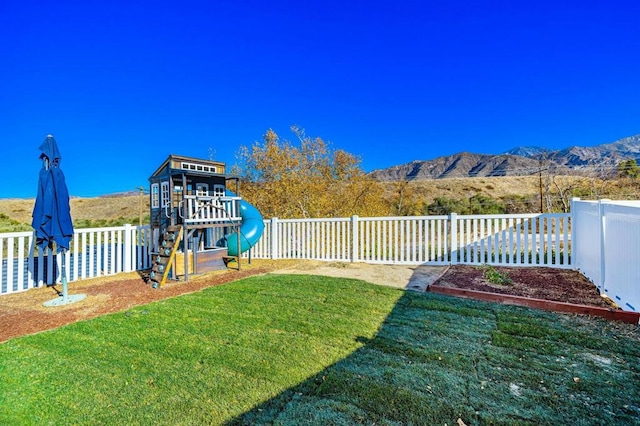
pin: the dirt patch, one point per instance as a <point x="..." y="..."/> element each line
<point x="559" y="285"/>
<point x="409" y="277"/>
<point x="23" y="313"/>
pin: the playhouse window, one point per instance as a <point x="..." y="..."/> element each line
<point x="218" y="190"/>
<point x="202" y="189"/>
<point x="198" y="167"/>
<point x="165" y="193"/>
<point x="155" y="196"/>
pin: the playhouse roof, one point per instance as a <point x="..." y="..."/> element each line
<point x="181" y="164"/>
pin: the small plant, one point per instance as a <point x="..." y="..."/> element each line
<point x="494" y="276"/>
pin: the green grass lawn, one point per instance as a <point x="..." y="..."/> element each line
<point x="281" y="349"/>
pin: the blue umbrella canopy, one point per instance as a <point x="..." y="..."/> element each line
<point x="51" y="212"/>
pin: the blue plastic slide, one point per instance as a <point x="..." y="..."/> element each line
<point x="250" y="230"/>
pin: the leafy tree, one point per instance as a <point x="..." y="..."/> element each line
<point x="307" y="179"/>
<point x="628" y="169"/>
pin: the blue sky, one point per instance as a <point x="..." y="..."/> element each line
<point x="123" y="84"/>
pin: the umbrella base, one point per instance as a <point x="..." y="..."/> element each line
<point x="64" y="300"/>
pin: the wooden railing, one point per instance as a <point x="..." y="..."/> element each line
<point x="201" y="210"/>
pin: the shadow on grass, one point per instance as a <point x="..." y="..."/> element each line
<point x="437" y="360"/>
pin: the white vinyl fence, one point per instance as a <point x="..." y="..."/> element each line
<point x="601" y="239"/>
<point x="607" y="247"/>
<point x="93" y="252"/>
<point x="514" y="240"/>
<point x="517" y="240"/>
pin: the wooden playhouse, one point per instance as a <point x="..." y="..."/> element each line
<point x="194" y="217"/>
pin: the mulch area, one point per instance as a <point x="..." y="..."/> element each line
<point x="560" y="285"/>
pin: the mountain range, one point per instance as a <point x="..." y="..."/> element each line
<point x="520" y="161"/>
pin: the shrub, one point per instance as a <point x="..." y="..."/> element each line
<point x="494" y="276"/>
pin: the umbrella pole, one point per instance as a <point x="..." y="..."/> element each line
<point x="65" y="293"/>
<point x="65" y="298"/>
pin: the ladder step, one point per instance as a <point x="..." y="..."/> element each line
<point x="163" y="260"/>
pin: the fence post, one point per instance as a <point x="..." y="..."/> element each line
<point x="453" y="220"/>
<point x="127" y="248"/>
<point x="31" y="274"/>
<point x="603" y="235"/>
<point x="354" y="238"/>
<point x="572" y="255"/>
<point x="9" y="264"/>
<point x="274" y="238"/>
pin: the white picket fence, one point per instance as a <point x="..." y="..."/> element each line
<point x="600" y="239"/>
<point x="513" y="240"/>
<point x="94" y="252"/>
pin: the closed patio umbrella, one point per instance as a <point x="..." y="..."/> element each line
<point x="52" y="214"/>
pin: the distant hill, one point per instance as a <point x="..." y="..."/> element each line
<point x="519" y="161"/>
<point x="529" y="151"/>
<point x="459" y="165"/>
<point x="106" y="209"/>
<point x="605" y="156"/>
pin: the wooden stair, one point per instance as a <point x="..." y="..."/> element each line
<point x="163" y="260"/>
